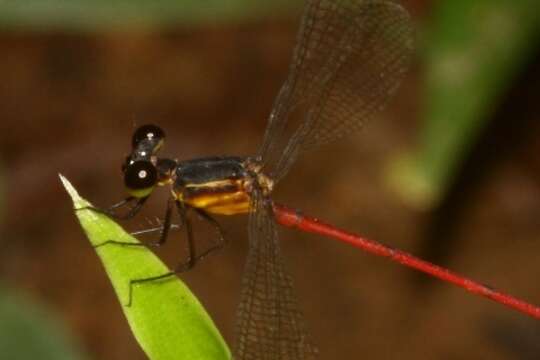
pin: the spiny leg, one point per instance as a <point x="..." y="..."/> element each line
<point x="111" y="213"/>
<point x="164" y="228"/>
<point x="164" y="231"/>
<point x="155" y="229"/>
<point x="193" y="258"/>
<point x="131" y="213"/>
<point x="222" y="240"/>
<point x="121" y="203"/>
<point x="183" y="266"/>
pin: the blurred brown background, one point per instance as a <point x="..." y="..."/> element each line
<point x="69" y="103"/>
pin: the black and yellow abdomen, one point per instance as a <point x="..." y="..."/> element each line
<point x="216" y="185"/>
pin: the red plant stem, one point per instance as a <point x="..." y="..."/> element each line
<point x="291" y="218"/>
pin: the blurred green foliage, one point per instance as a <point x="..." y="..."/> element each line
<point x="102" y="15"/>
<point x="2" y="194"/>
<point x="474" y="51"/>
<point x="28" y="331"/>
<point x="166" y="318"/>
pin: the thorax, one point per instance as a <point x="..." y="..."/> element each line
<point x="219" y="185"/>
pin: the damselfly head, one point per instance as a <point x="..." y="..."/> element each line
<point x="140" y="178"/>
<point x="142" y="169"/>
<point x="145" y="143"/>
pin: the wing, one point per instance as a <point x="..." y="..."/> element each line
<point x="269" y="323"/>
<point x="349" y="60"/>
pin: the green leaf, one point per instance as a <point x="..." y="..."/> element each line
<point x="31" y="331"/>
<point x="165" y="317"/>
<point x="96" y="15"/>
<point x="475" y="50"/>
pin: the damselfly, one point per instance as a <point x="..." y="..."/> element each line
<point x="349" y="59"/>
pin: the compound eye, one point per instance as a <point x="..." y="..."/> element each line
<point x="149" y="132"/>
<point x="140" y="178"/>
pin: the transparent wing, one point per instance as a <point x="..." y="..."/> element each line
<point x="349" y="59"/>
<point x="269" y="323"/>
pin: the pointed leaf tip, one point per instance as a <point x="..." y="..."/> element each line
<point x="165" y="317"/>
<point x="70" y="189"/>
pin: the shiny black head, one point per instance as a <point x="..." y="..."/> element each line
<point x="142" y="169"/>
<point x="140" y="177"/>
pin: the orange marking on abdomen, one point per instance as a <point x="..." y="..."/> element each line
<point x="223" y="203"/>
<point x="226" y="197"/>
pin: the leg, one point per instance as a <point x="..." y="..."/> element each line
<point x="184" y="266"/>
<point x="192" y="257"/>
<point x="222" y="240"/>
<point x="110" y="211"/>
<point x="166" y="222"/>
<point x="155" y="229"/>
<point x="164" y="230"/>
<point x="121" y="203"/>
<point x="190" y="262"/>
